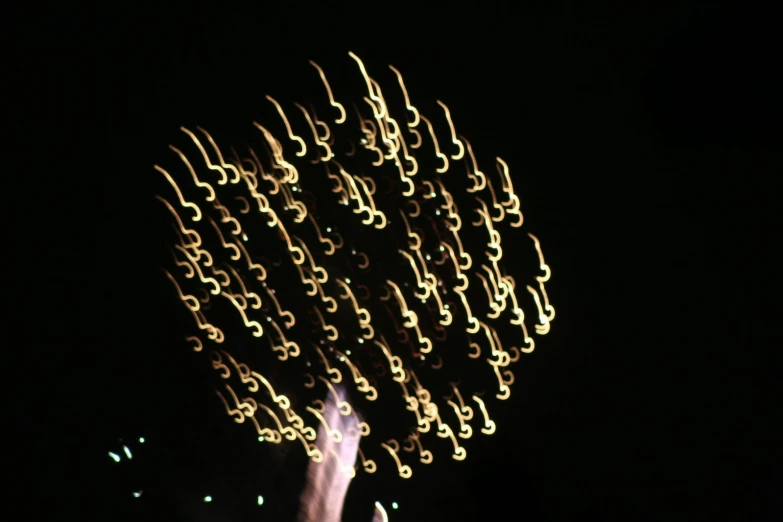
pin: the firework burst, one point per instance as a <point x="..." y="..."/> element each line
<point x="355" y="255"/>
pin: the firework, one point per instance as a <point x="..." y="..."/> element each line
<point x="354" y="255"/>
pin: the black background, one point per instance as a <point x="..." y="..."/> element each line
<point x="644" y="142"/>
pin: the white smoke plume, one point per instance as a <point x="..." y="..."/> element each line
<point x="327" y="482"/>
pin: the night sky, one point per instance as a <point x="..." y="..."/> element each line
<point x="641" y="142"/>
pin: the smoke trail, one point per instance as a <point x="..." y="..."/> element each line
<point x="327" y="482"/>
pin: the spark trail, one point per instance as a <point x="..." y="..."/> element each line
<point x="357" y="246"/>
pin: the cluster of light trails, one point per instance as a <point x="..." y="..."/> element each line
<point x="402" y="307"/>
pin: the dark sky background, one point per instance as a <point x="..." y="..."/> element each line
<point x="643" y="140"/>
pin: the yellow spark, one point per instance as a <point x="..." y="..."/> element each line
<point x="336" y="105"/>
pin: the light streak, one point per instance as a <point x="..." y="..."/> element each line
<point x="336" y="105"/>
<point x="381" y="511"/>
<point x="187" y="204"/>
